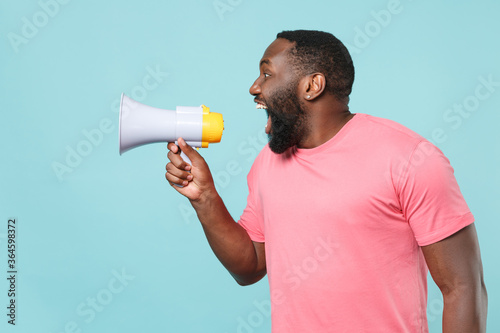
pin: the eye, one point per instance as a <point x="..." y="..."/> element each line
<point x="266" y="75"/>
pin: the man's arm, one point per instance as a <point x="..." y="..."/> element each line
<point x="244" y="259"/>
<point x="455" y="265"/>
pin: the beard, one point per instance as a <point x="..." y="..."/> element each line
<point x="288" y="119"/>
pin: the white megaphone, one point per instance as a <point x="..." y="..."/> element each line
<point x="140" y="124"/>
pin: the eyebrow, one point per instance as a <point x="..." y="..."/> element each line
<point x="265" y="61"/>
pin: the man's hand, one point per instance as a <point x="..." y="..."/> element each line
<point x="196" y="179"/>
<point x="244" y="259"/>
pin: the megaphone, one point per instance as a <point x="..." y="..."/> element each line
<point x="141" y="124"/>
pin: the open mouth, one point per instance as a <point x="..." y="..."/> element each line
<point x="261" y="105"/>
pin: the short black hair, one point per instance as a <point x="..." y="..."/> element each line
<point x="321" y="52"/>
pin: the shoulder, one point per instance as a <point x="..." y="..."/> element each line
<point x="386" y="136"/>
<point x="388" y="127"/>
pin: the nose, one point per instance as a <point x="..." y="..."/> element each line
<point x="255" y="88"/>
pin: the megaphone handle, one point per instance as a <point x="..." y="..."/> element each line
<point x="185" y="158"/>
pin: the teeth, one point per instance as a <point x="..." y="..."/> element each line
<point x="261" y="106"/>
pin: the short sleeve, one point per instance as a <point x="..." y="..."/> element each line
<point x="430" y="196"/>
<point x="251" y="219"/>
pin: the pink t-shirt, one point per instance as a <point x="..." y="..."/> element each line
<point x="343" y="224"/>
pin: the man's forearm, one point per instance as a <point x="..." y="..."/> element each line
<point x="465" y="310"/>
<point x="229" y="241"/>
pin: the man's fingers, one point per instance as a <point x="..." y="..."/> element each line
<point x="173" y="147"/>
<point x="176" y="176"/>
<point x="177" y="160"/>
<point x="173" y="180"/>
<point x="178" y="173"/>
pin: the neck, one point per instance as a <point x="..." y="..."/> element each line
<point x="326" y="118"/>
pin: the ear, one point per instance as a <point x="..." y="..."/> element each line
<point x="313" y="86"/>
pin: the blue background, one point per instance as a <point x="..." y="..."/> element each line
<point x="82" y="222"/>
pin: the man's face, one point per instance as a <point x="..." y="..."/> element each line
<point x="276" y="91"/>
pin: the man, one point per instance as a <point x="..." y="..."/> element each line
<point x="345" y="211"/>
